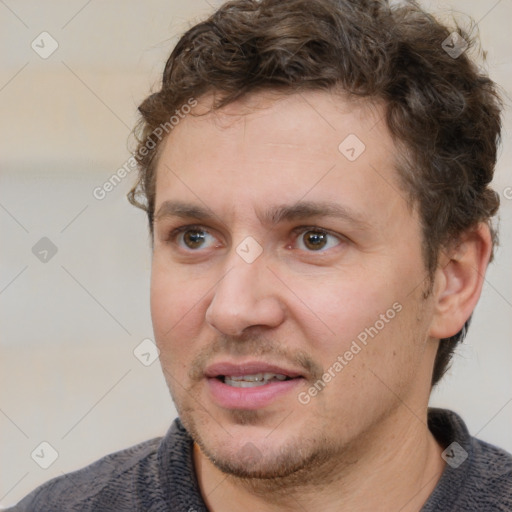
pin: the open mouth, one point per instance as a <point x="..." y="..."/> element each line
<point x="250" y="385"/>
<point x="252" y="381"/>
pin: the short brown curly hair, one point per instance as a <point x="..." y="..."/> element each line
<point x="442" y="111"/>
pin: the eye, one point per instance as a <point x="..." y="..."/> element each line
<point x="192" y="238"/>
<point x="316" y="240"/>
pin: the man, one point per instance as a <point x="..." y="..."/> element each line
<point x="316" y="178"/>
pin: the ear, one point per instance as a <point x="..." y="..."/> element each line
<point x="458" y="281"/>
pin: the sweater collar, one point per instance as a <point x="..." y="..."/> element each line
<point x="176" y="470"/>
<point x="452" y="434"/>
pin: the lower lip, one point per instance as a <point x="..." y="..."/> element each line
<point x="256" y="397"/>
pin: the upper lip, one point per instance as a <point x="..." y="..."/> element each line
<point x="225" y="368"/>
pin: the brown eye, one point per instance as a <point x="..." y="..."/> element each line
<point x="194" y="238"/>
<point x="315" y="240"/>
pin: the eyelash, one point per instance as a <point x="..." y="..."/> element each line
<point x="174" y="234"/>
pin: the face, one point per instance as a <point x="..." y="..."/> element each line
<point x="287" y="281"/>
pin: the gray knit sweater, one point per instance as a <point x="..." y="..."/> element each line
<point x="158" y="476"/>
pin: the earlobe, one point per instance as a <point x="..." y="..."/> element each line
<point x="458" y="281"/>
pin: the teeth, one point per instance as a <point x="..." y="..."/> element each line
<point x="249" y="381"/>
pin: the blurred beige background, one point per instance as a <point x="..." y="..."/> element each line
<point x="69" y="325"/>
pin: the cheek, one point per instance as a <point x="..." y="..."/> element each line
<point x="175" y="307"/>
<point x="343" y="308"/>
<point x="361" y="332"/>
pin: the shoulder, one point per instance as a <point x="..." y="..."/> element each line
<point x="107" y="484"/>
<point x="477" y="476"/>
<point x="490" y="476"/>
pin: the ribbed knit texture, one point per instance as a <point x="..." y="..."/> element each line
<point x="158" y="476"/>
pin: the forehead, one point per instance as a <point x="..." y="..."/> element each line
<point x="277" y="149"/>
<point x="322" y="118"/>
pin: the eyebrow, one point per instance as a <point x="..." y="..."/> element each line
<point x="273" y="215"/>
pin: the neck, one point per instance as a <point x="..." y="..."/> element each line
<point x="394" y="466"/>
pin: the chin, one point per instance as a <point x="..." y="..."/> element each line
<point x="251" y="462"/>
<point x="248" y="456"/>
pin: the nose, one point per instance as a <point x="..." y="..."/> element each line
<point x="247" y="296"/>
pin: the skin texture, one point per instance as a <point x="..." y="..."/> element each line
<point x="362" y="442"/>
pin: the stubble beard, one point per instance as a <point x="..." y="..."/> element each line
<point x="299" y="463"/>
